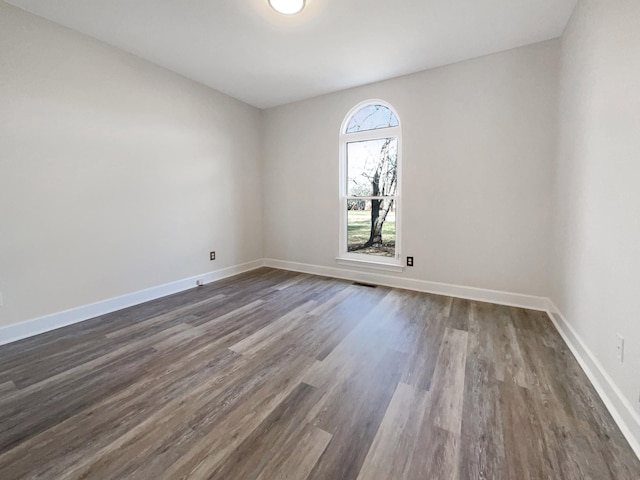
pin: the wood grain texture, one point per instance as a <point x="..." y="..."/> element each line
<point x="396" y="448"/>
<point x="273" y="375"/>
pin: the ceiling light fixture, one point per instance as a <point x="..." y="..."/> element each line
<point x="287" y="7"/>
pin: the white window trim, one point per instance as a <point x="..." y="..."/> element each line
<point x="359" y="259"/>
<point x="369" y="264"/>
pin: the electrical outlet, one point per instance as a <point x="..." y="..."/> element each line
<point x="409" y="261"/>
<point x="1" y="302"/>
<point x="212" y="256"/>
<point x="620" y="347"/>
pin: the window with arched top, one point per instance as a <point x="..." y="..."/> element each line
<point x="370" y="140"/>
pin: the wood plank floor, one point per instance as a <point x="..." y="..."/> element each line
<point x="277" y="375"/>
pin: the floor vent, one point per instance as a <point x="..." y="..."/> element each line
<point x="368" y="285"/>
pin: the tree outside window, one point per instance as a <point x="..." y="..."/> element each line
<point x="370" y="143"/>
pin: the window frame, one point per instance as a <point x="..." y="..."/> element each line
<point x="362" y="259"/>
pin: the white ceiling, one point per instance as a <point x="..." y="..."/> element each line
<point x="246" y="50"/>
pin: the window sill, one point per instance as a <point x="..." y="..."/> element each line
<point x="386" y="267"/>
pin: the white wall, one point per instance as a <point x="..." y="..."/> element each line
<point x="478" y="153"/>
<point x="115" y="175"/>
<point x="597" y="254"/>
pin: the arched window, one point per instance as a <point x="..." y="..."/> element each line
<point x="370" y="140"/>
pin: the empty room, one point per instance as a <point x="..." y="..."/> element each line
<point x="320" y="239"/>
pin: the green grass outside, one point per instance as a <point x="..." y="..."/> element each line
<point x="359" y="228"/>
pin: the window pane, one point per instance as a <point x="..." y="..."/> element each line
<point x="372" y="168"/>
<point x="372" y="117"/>
<point x="361" y="238"/>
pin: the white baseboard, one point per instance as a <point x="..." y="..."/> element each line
<point x="469" y="293"/>
<point x="619" y="407"/>
<point x="19" y="331"/>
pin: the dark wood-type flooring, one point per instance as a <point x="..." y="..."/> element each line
<point x="277" y="375"/>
